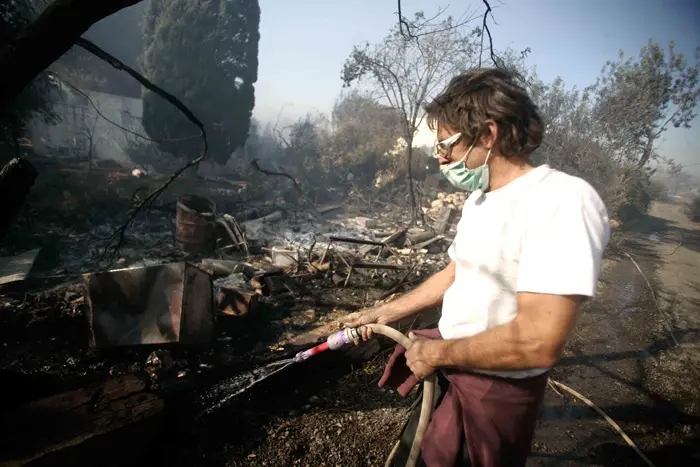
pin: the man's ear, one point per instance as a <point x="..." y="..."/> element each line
<point x="490" y="134"/>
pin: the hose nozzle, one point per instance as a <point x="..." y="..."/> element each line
<point x="334" y="341"/>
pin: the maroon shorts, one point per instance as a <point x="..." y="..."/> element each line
<point x="480" y="421"/>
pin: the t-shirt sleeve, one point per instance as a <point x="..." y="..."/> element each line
<point x="561" y="254"/>
<point x="452" y="250"/>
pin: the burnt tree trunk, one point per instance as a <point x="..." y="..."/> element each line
<point x="16" y="178"/>
<point x="648" y="151"/>
<point x="41" y="43"/>
<point x="91" y="144"/>
<point x="409" y="174"/>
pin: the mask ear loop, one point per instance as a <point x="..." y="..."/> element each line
<point x="469" y="151"/>
<point x="487" y="175"/>
<point x="488" y="154"/>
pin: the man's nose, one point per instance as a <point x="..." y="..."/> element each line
<point x="443" y="160"/>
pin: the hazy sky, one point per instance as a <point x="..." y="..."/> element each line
<point x="303" y="45"/>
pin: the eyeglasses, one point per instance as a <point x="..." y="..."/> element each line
<point x="442" y="147"/>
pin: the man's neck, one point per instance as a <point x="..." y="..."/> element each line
<point x="505" y="170"/>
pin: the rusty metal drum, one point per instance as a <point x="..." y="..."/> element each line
<point x="194" y="224"/>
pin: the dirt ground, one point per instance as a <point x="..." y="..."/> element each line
<point x="350" y="422"/>
<point x="635" y="353"/>
<point x="622" y="356"/>
<point x="44" y="335"/>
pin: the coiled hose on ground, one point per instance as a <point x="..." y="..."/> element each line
<point x="426" y="411"/>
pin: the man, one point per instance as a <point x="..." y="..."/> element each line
<point x="526" y="255"/>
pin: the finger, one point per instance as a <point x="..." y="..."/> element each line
<point x="370" y="333"/>
<point x="366" y="333"/>
<point x="412" y="336"/>
<point x="354" y="337"/>
<point x="416" y="371"/>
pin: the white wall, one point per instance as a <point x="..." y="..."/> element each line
<point x="80" y="120"/>
<point x="424" y="136"/>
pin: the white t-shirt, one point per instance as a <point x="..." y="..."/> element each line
<point x="544" y="232"/>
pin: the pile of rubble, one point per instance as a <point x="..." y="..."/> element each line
<point x="274" y="255"/>
<point x="445" y="200"/>
<point x="349" y="253"/>
<point x="196" y="299"/>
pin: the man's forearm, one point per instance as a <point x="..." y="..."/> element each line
<point x="507" y="347"/>
<point x="427" y="295"/>
<point x="534" y="339"/>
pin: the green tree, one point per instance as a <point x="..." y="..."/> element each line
<point x="363" y="131"/>
<point x="305" y="155"/>
<point x="637" y="100"/>
<point x="572" y="144"/>
<point x="406" y="71"/>
<point x="206" y="52"/>
<point x="606" y="133"/>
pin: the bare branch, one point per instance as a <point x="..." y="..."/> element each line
<point x="485" y="27"/>
<point x="403" y="24"/>
<point x="114" y="241"/>
<point x="297" y="187"/>
<point x="278" y="132"/>
<point x="411" y="62"/>
<point x="407" y="30"/>
<point x="34" y="48"/>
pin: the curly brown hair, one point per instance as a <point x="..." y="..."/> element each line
<point x="477" y="95"/>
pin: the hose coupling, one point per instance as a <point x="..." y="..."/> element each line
<point x="341" y="338"/>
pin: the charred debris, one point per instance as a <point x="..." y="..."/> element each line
<point x="203" y="287"/>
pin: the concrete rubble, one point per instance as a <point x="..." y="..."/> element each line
<point x="267" y="282"/>
<point x="445" y="200"/>
<point x="267" y="255"/>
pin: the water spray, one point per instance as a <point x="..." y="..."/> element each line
<point x="350" y="335"/>
<point x="240" y="383"/>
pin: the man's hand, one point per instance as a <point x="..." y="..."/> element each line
<point x="362" y="317"/>
<point x="419" y="357"/>
<point x="427" y="295"/>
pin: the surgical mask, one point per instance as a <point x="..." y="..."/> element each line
<point x="467" y="179"/>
